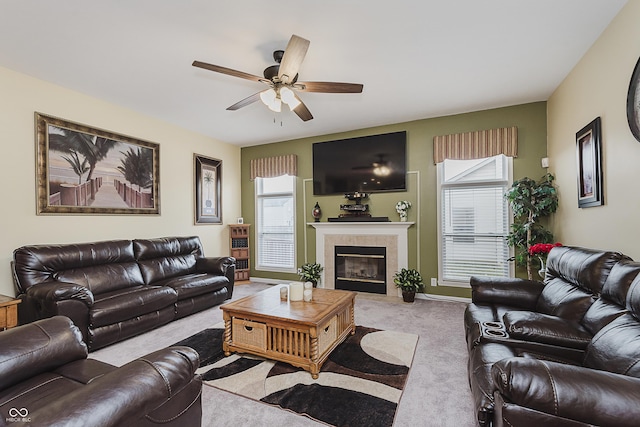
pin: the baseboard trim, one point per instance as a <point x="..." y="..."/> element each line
<point x="418" y="295"/>
<point x="269" y="281"/>
<point x="443" y="298"/>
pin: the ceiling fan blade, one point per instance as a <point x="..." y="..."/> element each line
<point x="293" y="56"/>
<point x="228" y="71"/>
<point x="302" y="111"/>
<point x="329" y="87"/>
<point x="248" y="100"/>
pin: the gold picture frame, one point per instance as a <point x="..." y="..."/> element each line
<point x="85" y="170"/>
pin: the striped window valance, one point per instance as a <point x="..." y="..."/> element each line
<point x="476" y="145"/>
<point x="271" y="167"/>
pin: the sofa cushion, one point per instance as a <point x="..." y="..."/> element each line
<point x="126" y="304"/>
<point x="613" y="299"/>
<point x="39" y="263"/>
<point x="538" y="327"/>
<point x="32" y="392"/>
<point x="38" y="347"/>
<point x="195" y="284"/>
<point x="166" y="257"/>
<point x="575" y="278"/>
<point x="616" y="347"/>
<point x="103" y="278"/>
<point x="563" y="299"/>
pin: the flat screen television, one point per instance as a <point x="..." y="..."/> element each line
<point x="368" y="164"/>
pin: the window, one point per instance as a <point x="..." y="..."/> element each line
<point x="473" y="218"/>
<point x="275" y="228"/>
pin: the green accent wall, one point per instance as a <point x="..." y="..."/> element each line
<point x="530" y="119"/>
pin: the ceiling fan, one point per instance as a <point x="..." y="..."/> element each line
<point x="282" y="80"/>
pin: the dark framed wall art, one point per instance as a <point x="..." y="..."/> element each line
<point x="633" y="102"/>
<point x="85" y="170"/>
<point x="208" y="189"/>
<point x="589" y="158"/>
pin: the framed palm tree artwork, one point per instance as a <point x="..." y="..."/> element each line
<point x="208" y="188"/>
<point x="84" y="170"/>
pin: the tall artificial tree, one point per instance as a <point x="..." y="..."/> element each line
<point x="530" y="201"/>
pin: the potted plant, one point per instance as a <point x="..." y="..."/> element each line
<point x="410" y="281"/>
<point x="310" y="272"/>
<point x="530" y="201"/>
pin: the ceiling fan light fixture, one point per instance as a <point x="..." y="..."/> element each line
<point x="276" y="105"/>
<point x="288" y="97"/>
<point x="270" y="98"/>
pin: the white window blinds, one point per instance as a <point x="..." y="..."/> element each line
<point x="474" y="219"/>
<point x="275" y="217"/>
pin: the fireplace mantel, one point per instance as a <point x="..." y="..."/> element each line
<point x="392" y="235"/>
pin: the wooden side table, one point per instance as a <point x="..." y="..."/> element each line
<point x="8" y="312"/>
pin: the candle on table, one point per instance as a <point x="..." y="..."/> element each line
<point x="307" y="295"/>
<point x="296" y="291"/>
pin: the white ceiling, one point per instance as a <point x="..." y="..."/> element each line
<point x="416" y="58"/>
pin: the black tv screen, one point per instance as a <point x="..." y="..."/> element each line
<point x="369" y="164"/>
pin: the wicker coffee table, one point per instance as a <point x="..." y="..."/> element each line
<point x="296" y="332"/>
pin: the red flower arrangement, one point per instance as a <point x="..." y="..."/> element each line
<point x="541" y="249"/>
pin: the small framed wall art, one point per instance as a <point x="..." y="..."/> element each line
<point x="589" y="158"/>
<point x="208" y="189"/>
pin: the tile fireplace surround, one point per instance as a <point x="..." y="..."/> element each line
<point x="391" y="235"/>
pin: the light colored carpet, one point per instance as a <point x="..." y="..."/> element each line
<point x="437" y="391"/>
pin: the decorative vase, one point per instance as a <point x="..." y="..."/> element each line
<point x="408" y="296"/>
<point x="403" y="217"/>
<point x="316" y="212"/>
<point x="543" y="269"/>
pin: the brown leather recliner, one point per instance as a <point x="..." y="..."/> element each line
<point x="113" y="290"/>
<point x="47" y="380"/>
<point x="521" y="333"/>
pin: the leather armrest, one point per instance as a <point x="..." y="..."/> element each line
<point x="218" y="265"/>
<point x="38" y="347"/>
<point x="123" y="395"/>
<point x="507" y="291"/>
<point x="58" y="291"/>
<point x="538" y="327"/>
<point x="574" y="392"/>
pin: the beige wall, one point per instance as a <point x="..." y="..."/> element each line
<point x="598" y="86"/>
<point x="22" y="95"/>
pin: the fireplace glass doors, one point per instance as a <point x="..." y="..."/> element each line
<point x="361" y="268"/>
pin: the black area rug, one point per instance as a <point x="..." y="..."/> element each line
<point x="359" y="385"/>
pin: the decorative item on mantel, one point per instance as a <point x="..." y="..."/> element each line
<point x="541" y="250"/>
<point x="316" y="212"/>
<point x="402" y="207"/>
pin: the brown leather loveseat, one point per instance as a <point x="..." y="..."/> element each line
<point x="47" y="380"/>
<point x="113" y="290"/>
<point x="563" y="352"/>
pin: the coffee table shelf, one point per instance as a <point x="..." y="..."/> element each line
<point x="296" y="332"/>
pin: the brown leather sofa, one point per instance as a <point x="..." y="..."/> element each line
<point x="47" y="380"/>
<point x="563" y="352"/>
<point x="113" y="290"/>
